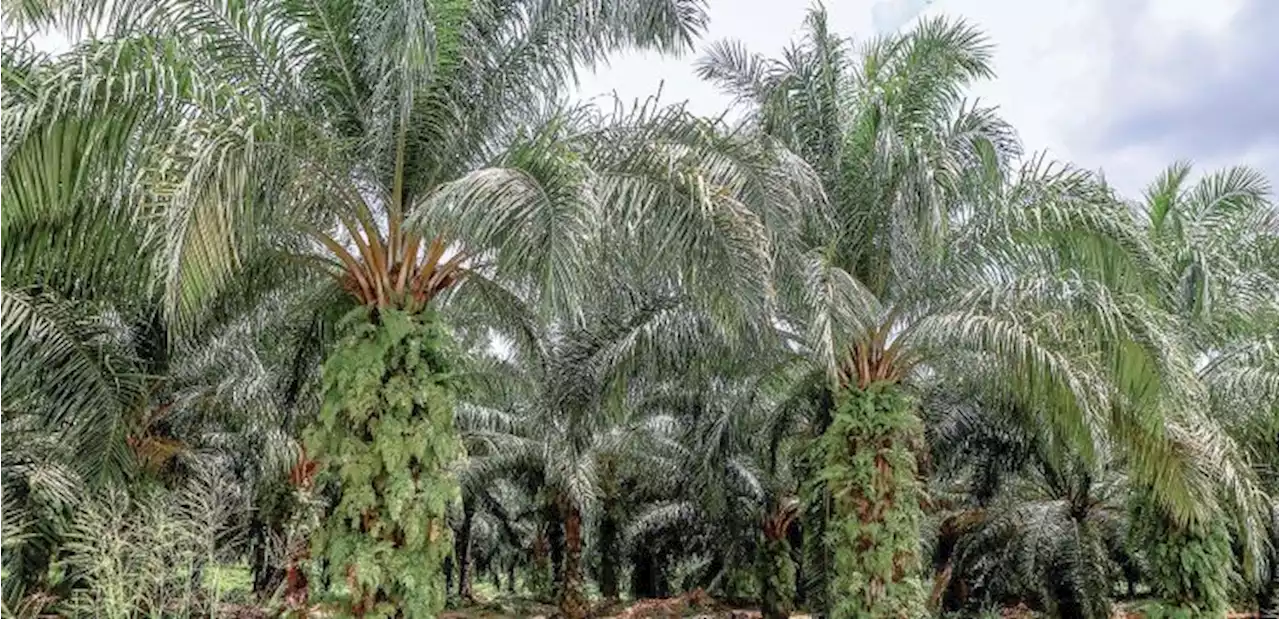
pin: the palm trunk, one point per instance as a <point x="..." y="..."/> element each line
<point x="774" y="567"/>
<point x="447" y="570"/>
<point x="463" y="552"/>
<point x="296" y="590"/>
<point x="267" y="576"/>
<point x="869" y="467"/>
<point x="555" y="535"/>
<point x="609" y="556"/>
<point x="573" y="601"/>
<point x="297" y="551"/>
<point x="941" y="581"/>
<point x="1199" y="587"/>
<point x="795" y="537"/>
<point x="646" y="575"/>
<point x="385" y="432"/>
<point x="777" y="578"/>
<point x="540" y="579"/>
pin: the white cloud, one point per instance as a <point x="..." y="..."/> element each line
<point x="890" y="15"/>
<point x="765" y="26"/>
<point x="1200" y="85"/>
<point x="1067" y="69"/>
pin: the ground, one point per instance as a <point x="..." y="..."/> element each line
<point x="695" y="604"/>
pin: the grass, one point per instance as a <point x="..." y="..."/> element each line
<point x="229" y="582"/>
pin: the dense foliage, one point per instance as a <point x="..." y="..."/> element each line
<point x="337" y="307"/>
<point x="384" y="440"/>
<point x="869" y="470"/>
<point x="1190" y="568"/>
<point x="777" y="578"/>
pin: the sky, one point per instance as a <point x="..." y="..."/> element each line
<point x="1125" y="86"/>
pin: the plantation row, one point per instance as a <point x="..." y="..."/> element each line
<point x="329" y="308"/>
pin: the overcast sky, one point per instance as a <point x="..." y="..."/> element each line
<point x="1127" y="86"/>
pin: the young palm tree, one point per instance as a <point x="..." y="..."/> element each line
<point x="552" y="411"/>
<point x="736" y="491"/>
<point x="942" y="253"/>
<point x="1019" y="517"/>
<point x="228" y="140"/>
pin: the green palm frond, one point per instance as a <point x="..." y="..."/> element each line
<point x="736" y="71"/>
<point x="837" y="306"/>
<point x="233" y="103"/>
<point x="658" y="517"/>
<point x="536" y="211"/>
<point x="1220" y="259"/>
<point x="1034" y="522"/>
<point x="16" y="534"/>
<point x="68" y="369"/>
<point x="1244" y="376"/>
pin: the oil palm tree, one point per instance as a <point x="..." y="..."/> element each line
<point x="229" y="398"/>
<point x="946" y="250"/>
<point x="1218" y="237"/>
